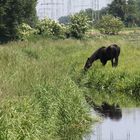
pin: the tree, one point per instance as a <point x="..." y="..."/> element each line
<point x="50" y="28"/>
<point x="125" y="9"/>
<point x="138" y="12"/>
<point x="109" y="25"/>
<point x="13" y="13"/>
<point x="118" y="9"/>
<point x="131" y="13"/>
<point x="94" y="15"/>
<point x="79" y="24"/>
<point x="104" y="11"/>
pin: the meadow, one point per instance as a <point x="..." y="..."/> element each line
<point x="43" y="85"/>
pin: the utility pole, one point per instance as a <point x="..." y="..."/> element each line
<point x="92" y="7"/>
<point x="95" y="6"/>
<point x="98" y="14"/>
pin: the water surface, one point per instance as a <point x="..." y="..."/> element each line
<point x="124" y="127"/>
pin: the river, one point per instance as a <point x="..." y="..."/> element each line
<point x="125" y="126"/>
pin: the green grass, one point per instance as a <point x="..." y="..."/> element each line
<point x="39" y="100"/>
<point x="42" y="85"/>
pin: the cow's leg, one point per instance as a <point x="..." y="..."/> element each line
<point x="116" y="61"/>
<point x="112" y="62"/>
<point x="103" y="62"/>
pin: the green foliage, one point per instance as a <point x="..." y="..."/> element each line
<point x="24" y="31"/>
<point x="126" y="10"/>
<point x="130" y="17"/>
<point x="50" y="28"/>
<point x="20" y="119"/>
<point x="42" y="85"/>
<point x="118" y="8"/>
<point x="63" y="117"/>
<point x="79" y="24"/>
<point x="39" y="99"/>
<point x="138" y="11"/>
<point x="109" y="25"/>
<point x="114" y="82"/>
<point x="92" y="15"/>
<point x="49" y="113"/>
<point x="13" y="13"/>
<point x="113" y="86"/>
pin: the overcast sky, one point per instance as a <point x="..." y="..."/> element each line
<point x="57" y="8"/>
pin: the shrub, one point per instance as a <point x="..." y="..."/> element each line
<point x="79" y="24"/>
<point x="50" y="28"/>
<point x="110" y="25"/>
<point x="24" y="31"/>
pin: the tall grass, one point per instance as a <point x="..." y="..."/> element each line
<point x="38" y="98"/>
<point x="42" y="86"/>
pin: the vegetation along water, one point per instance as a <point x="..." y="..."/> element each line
<point x="45" y="93"/>
<point x="43" y="85"/>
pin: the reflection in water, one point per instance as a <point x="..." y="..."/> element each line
<point x="114" y="112"/>
<point x="126" y="126"/>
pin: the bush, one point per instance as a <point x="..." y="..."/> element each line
<point x="50" y="28"/>
<point x="109" y="25"/>
<point x="79" y="24"/>
<point x="24" y="31"/>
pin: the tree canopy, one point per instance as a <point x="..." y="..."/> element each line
<point x="126" y="10"/>
<point x="13" y="13"/>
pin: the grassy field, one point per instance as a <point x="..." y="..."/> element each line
<point x="43" y="85"/>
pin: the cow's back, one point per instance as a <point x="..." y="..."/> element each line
<point x="113" y="51"/>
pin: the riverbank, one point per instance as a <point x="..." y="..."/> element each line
<point x="43" y="85"/>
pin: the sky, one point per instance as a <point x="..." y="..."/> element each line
<point x="57" y="8"/>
